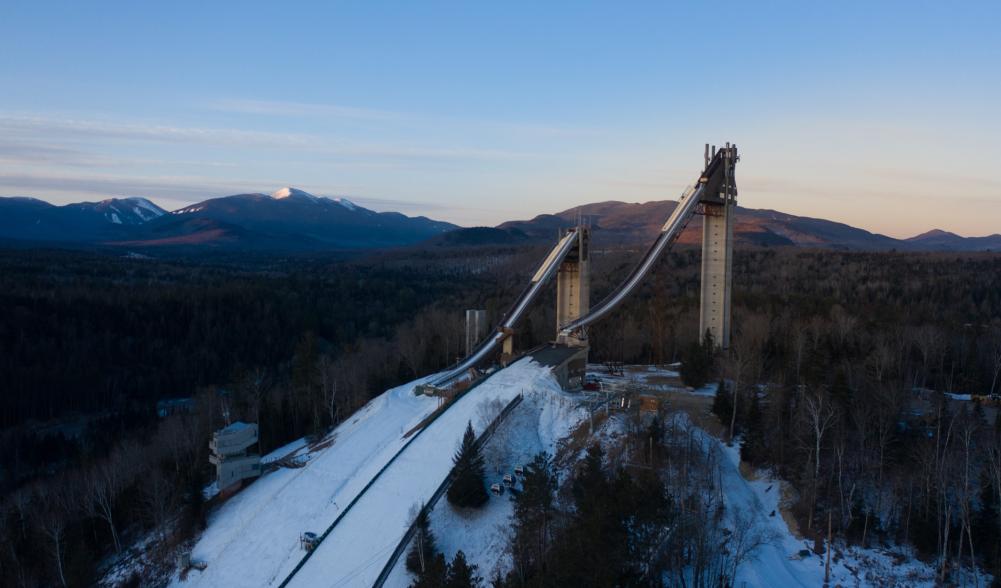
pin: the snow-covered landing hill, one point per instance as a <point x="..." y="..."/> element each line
<point x="253" y="539"/>
<point x="355" y="553"/>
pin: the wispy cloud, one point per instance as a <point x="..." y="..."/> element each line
<point x="26" y="153"/>
<point x="35" y="126"/>
<point x="61" y="130"/>
<point x="337" y="111"/>
<point x="301" y="109"/>
<point x="175" y="187"/>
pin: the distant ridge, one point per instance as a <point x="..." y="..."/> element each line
<point x="945" y="241"/>
<point x="624" y="222"/>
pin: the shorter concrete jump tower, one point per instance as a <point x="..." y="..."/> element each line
<point x="573" y="285"/>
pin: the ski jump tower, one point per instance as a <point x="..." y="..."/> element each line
<point x="717" y="207"/>
<point x="573" y="285"/>
<point x="715" y="198"/>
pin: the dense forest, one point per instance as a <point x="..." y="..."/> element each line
<point x="835" y="378"/>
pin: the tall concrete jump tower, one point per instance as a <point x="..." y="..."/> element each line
<point x="717" y="205"/>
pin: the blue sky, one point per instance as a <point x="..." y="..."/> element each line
<point x="883" y="115"/>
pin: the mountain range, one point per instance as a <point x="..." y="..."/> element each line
<point x="37" y="220"/>
<point x="289" y="219"/>
<point x="293" y="220"/>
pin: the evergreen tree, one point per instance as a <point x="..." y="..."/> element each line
<point x="722" y="402"/>
<point x="461" y="574"/>
<point x="590" y="485"/>
<point x="468" y="487"/>
<point x="600" y="538"/>
<point x="424" y="548"/>
<point x="697" y="361"/>
<point x="435" y="574"/>
<point x="533" y="513"/>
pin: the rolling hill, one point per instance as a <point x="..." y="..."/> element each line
<point x="624" y="222"/>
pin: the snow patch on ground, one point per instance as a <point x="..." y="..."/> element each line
<point x="345" y="203"/>
<point x="153" y="209"/>
<point x="135" y="560"/>
<point x="651" y="378"/>
<point x="293" y="449"/>
<point x="538" y="424"/>
<point x="778" y="562"/>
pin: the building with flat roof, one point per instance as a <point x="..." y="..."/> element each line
<point x="568" y="364"/>
<point x="230" y="453"/>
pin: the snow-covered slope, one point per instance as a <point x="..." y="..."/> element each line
<point x="252" y="540"/>
<point x="358" y="548"/>
<point x="777" y="562"/>
<point x="539" y="423"/>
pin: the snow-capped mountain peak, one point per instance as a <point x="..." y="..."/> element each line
<point x="290" y="192"/>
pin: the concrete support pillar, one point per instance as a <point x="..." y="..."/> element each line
<point x="573" y="285"/>
<point x="717" y="272"/>
<point x="476" y="328"/>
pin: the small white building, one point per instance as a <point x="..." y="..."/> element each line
<point x="230" y="454"/>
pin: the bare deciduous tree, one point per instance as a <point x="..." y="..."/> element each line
<point x="104" y="482"/>
<point x="57" y="504"/>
